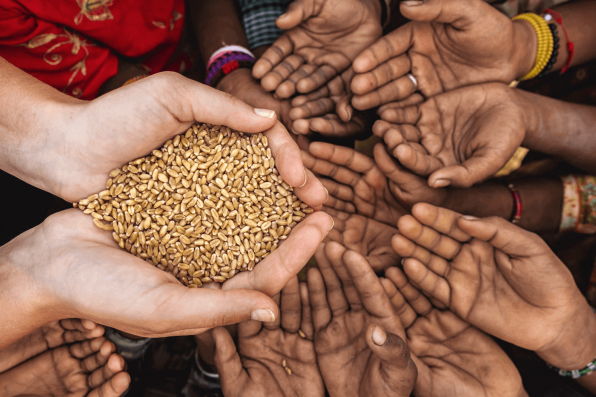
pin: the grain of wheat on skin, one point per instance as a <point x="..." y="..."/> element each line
<point x="207" y="205"/>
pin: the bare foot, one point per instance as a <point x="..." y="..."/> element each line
<point x="88" y="368"/>
<point x="49" y="336"/>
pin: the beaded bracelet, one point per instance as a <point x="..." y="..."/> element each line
<point x="552" y="14"/>
<point x="517" y="204"/>
<point x="553" y="58"/>
<point x="545" y="43"/>
<point x="576" y="373"/>
<point x="225" y="60"/>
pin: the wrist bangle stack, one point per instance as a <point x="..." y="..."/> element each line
<point x="545" y="43"/>
<point x="553" y="58"/>
<point x="551" y="14"/>
<point x="517" y="204"/>
<point x="579" y="204"/>
<point x="576" y="373"/>
<point x="225" y="60"/>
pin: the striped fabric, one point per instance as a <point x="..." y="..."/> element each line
<point x="258" y="17"/>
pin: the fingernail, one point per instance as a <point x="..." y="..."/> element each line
<point x="470" y="218"/>
<point x="332" y="225"/>
<point x="412" y="3"/>
<point x="441" y="183"/>
<point x="379" y="336"/>
<point x="327" y="191"/>
<point x="263" y="315"/>
<point x="267" y="113"/>
<point x="402" y="261"/>
<point x="305" y="179"/>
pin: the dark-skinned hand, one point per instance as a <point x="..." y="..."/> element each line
<point x="501" y="279"/>
<point x="453" y="358"/>
<point x="272" y="359"/>
<point x="359" y="338"/>
<point x="366" y="236"/>
<point x="448" y="44"/>
<point x="458" y="138"/>
<point x="321" y="39"/>
<point x="355" y="184"/>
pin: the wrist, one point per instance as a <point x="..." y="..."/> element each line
<point x="575" y="346"/>
<point x="230" y="80"/>
<point x="525" y="45"/>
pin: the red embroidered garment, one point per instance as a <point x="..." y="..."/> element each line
<point x="73" y="45"/>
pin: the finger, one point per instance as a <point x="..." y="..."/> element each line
<point x="405" y="312"/>
<point x="76" y="336"/>
<point x="412" y="100"/>
<point x="417" y="301"/>
<point x="369" y="287"/>
<point x="335" y="253"/>
<point x="321" y="314"/>
<point x="232" y="375"/>
<point x="274" y="272"/>
<point x="440" y="219"/>
<point x="343" y="156"/>
<point x="428" y="282"/>
<point x="313" y="190"/>
<point x="114" y="387"/>
<point x="300" y="100"/>
<point x="458" y="13"/>
<point x="504" y="236"/>
<point x="392" y="45"/>
<point x="388" y="71"/>
<point x="399" y="370"/>
<point x="274" y="325"/>
<point x="281" y="72"/>
<point x="306" y="324"/>
<point x="114" y="364"/>
<point x="91" y="363"/>
<point x="317" y="79"/>
<point x="76" y="324"/>
<point x="395" y="134"/>
<point x="297" y="12"/>
<point x="316" y="108"/>
<point x="335" y="295"/>
<point x="86" y="348"/>
<point x="401" y="115"/>
<point x="248" y="329"/>
<point x="416" y="161"/>
<point x="428" y="238"/>
<point x="331" y="125"/>
<point x="482" y="165"/>
<point x="288" y="87"/>
<point x="279" y="50"/>
<point x="408" y="249"/>
<point x="291" y="311"/>
<point x="395" y="90"/>
<point x="335" y="203"/>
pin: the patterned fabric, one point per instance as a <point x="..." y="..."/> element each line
<point x="258" y="17"/>
<point x="579" y="204"/>
<point x="72" y="45"/>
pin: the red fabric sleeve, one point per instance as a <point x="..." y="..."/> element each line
<point x="53" y="53"/>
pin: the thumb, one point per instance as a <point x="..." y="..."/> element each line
<point x="459" y="13"/>
<point x="189" y="101"/>
<point x="298" y="11"/>
<point x="398" y="368"/>
<point x="232" y="374"/>
<point x="477" y="168"/>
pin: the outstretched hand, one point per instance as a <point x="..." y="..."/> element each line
<point x="272" y="359"/>
<point x="500" y="279"/>
<point x="322" y="39"/>
<point x="359" y="338"/>
<point x="448" y="44"/>
<point x="458" y="138"/>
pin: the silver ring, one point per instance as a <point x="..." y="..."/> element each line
<point x="411" y="77"/>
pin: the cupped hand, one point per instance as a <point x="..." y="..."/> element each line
<point x="328" y="111"/>
<point x="369" y="238"/>
<point x="359" y="339"/>
<point x="355" y="184"/>
<point x="130" y="122"/>
<point x="272" y="359"/>
<point x="499" y="278"/>
<point x="453" y="357"/>
<point x="458" y="138"/>
<point x="322" y="39"/>
<point x="448" y="44"/>
<point x="77" y="270"/>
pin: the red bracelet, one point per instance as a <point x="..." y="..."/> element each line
<point x="570" y="45"/>
<point x="517" y="204"/>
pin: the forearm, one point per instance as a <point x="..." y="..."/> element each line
<point x="542" y="200"/>
<point x="29" y="114"/>
<point x="560" y="129"/>
<point x="216" y="24"/>
<point x="22" y="309"/>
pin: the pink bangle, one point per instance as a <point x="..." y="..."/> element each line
<point x="517" y="204"/>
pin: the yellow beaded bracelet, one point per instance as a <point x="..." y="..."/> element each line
<point x="545" y="43"/>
